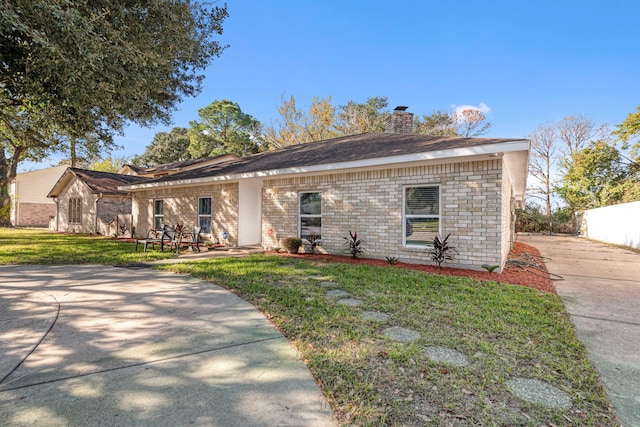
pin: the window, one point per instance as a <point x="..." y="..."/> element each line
<point x="204" y="214"/>
<point x="75" y="211"/>
<point x="158" y="214"/>
<point x="310" y="215"/>
<point x="421" y="220"/>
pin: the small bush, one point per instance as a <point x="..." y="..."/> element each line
<point x="292" y="244"/>
<point x="441" y="251"/>
<point x="490" y="268"/>
<point x="353" y="244"/>
<point x="392" y="260"/>
<point x="310" y="244"/>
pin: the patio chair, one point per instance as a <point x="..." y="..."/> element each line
<point x="188" y="239"/>
<point x="154" y="237"/>
<point x="157" y="237"/>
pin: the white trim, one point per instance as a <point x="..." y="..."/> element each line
<point x="455" y="153"/>
<point x="404" y="218"/>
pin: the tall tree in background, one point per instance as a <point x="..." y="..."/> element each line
<point x="630" y="129"/>
<point x="166" y="147"/>
<point x="110" y="164"/>
<point x="471" y="123"/>
<point x="224" y="129"/>
<point x="597" y="176"/>
<point x="438" y="123"/>
<point x="297" y="126"/>
<point x="542" y="163"/>
<point x="72" y="70"/>
<point x="371" y="116"/>
<point x="576" y="131"/>
<point x="468" y="123"/>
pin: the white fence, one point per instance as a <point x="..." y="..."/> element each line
<point x="617" y="224"/>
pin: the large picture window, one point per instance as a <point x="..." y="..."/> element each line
<point x="310" y="215"/>
<point x="204" y="214"/>
<point x="75" y="211"/>
<point x="158" y="214"/>
<point x="421" y="215"/>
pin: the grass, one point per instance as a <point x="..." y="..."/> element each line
<point x="505" y="332"/>
<point x="34" y="246"/>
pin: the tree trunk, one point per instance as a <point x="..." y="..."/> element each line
<point x="72" y="145"/>
<point x="8" y="171"/>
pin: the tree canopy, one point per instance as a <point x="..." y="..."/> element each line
<point x="72" y="71"/>
<point x="224" y="129"/>
<point x="630" y="129"/>
<point x="166" y="147"/>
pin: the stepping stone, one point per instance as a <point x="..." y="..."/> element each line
<point x="375" y="316"/>
<point x="338" y="293"/>
<point x="401" y="334"/>
<point x="446" y="355"/>
<point x="352" y="302"/>
<point x="318" y="278"/>
<point x="540" y="392"/>
<point x="329" y="284"/>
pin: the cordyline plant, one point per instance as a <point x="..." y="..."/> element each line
<point x="441" y="251"/>
<point x="353" y="244"/>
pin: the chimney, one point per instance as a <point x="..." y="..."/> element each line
<point x="400" y="120"/>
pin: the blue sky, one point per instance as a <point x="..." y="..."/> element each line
<point x="528" y="62"/>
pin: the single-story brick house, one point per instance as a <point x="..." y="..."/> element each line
<point x="397" y="190"/>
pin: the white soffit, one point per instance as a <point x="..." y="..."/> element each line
<point x="441" y="155"/>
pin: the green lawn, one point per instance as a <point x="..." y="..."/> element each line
<point x="505" y="331"/>
<point x="33" y="246"/>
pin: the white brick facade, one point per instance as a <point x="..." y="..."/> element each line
<point x="181" y="207"/>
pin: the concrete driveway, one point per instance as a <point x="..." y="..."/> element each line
<point x="105" y="346"/>
<point x="601" y="290"/>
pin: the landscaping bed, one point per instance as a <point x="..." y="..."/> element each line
<point x="533" y="275"/>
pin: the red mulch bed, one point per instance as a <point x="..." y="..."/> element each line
<point x="530" y="277"/>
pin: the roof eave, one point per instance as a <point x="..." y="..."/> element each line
<point x="454" y="153"/>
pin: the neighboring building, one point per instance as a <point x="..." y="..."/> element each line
<point x="90" y="201"/>
<point x="30" y="206"/>
<point x="397" y="190"/>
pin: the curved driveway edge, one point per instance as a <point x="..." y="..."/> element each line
<point x="601" y="291"/>
<point x="102" y="346"/>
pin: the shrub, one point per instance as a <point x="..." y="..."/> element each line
<point x="392" y="260"/>
<point x="292" y="244"/>
<point x="441" y="251"/>
<point x="353" y="244"/>
<point x="490" y="268"/>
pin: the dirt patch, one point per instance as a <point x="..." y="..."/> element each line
<point x="532" y="277"/>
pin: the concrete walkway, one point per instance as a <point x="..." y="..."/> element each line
<point x="601" y="290"/>
<point x="105" y="346"/>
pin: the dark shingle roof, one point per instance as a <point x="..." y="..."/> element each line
<point x="344" y="149"/>
<point x="106" y="182"/>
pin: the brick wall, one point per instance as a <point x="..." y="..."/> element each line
<point x="370" y="202"/>
<point x="76" y="189"/>
<point x="34" y="214"/>
<point x="181" y="207"/>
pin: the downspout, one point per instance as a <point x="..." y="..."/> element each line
<point x="55" y="199"/>
<point x="95" y="213"/>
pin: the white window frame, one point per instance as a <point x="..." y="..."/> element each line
<point x="210" y="216"/>
<point x="300" y="215"/>
<point x="155" y="214"/>
<point x="404" y="214"/>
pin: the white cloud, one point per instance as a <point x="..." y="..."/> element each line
<point x="482" y="107"/>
